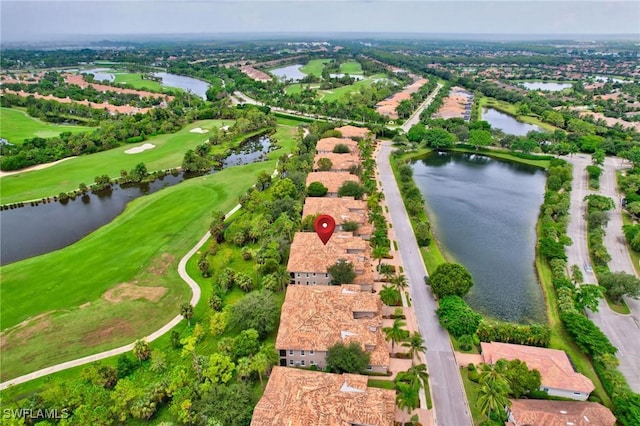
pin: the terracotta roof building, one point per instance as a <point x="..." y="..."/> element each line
<point x="557" y="374"/>
<point x="310" y="258"/>
<point x="343" y="209"/>
<point x="559" y="413"/>
<point x="314" y="318"/>
<point x="326" y="145"/>
<point x="332" y="180"/>
<point x="296" y="397"/>
<point x="354" y="132"/>
<point x="339" y="162"/>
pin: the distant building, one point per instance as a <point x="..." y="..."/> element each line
<point x="339" y="162"/>
<point x="315" y="318"/>
<point x="326" y="145"/>
<point x="525" y="412"/>
<point x="295" y="397"/>
<point x="343" y="209"/>
<point x="332" y="180"/>
<point x="354" y="132"/>
<point x="558" y="377"/>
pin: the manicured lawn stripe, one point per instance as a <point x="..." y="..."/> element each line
<point x="351" y="67"/>
<point x="142" y="246"/>
<point x="16" y="126"/>
<point x="67" y="175"/>
<point x="315" y="67"/>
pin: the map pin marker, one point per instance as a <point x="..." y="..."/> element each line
<point x="324" y="226"/>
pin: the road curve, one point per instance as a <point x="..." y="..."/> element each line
<point x="195" y="297"/>
<point x="449" y="398"/>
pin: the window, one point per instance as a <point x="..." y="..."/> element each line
<point x="302" y="352"/>
<point x="290" y="362"/>
<point x="302" y="363"/>
<point x="299" y="274"/>
<point x="290" y="351"/>
<point x="314" y="283"/>
<point x="314" y="274"/>
<point x="283" y="352"/>
<point x="307" y="275"/>
<point x="369" y="367"/>
<point x="312" y="362"/>
<point x="326" y="275"/>
<point x="311" y="352"/>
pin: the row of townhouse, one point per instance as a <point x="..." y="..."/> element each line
<point x="316" y="315"/>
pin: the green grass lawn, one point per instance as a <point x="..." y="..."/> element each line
<point x="69" y="317"/>
<point x="315" y="67"/>
<point x="66" y="176"/>
<point x="344" y="91"/>
<point x="135" y="80"/>
<point x="16" y="126"/>
<point x="296" y="88"/>
<point x="351" y="67"/>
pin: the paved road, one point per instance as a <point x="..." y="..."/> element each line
<point x="622" y="330"/>
<point x="415" y="117"/>
<point x="195" y="297"/>
<point x="449" y="399"/>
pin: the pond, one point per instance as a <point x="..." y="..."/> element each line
<point x="545" y="86"/>
<point x="188" y="84"/>
<point x="483" y="213"/>
<point x="32" y="230"/>
<point x="507" y="123"/>
<point x="100" y="74"/>
<point x="290" y="72"/>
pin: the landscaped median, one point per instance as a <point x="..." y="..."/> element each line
<point x="120" y="282"/>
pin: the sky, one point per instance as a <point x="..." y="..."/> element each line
<point x="41" y="20"/>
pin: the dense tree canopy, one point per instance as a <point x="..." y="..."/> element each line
<point x="450" y="279"/>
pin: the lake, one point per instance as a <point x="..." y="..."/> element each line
<point x="483" y="213"/>
<point x="101" y="74"/>
<point x="290" y="72"/>
<point x="188" y="84"/>
<point x="506" y="123"/>
<point x="546" y="86"/>
<point x="32" y="230"/>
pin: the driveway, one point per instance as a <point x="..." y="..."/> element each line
<point x="449" y="399"/>
<point x="622" y="330"/>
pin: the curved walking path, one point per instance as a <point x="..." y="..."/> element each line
<point x="195" y="297"/>
<point x="449" y="398"/>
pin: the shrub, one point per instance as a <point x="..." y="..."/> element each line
<point x="457" y="317"/>
<point x="316" y="189"/>
<point x="451" y="279"/>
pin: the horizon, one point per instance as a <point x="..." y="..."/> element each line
<point x="29" y="21"/>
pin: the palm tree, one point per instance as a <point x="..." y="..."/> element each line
<point x="492" y="397"/>
<point x="244" y="368"/>
<point x="415" y="343"/>
<point x="407" y="397"/>
<point x="260" y="364"/>
<point x="493" y="373"/>
<point x="141" y="350"/>
<point x="390" y="296"/>
<point x="400" y="282"/>
<point x="379" y="252"/>
<point x="186" y="310"/>
<point x="396" y="333"/>
<point x="418" y="375"/>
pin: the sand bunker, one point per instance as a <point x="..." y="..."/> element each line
<point x="199" y="130"/>
<point x="36" y="167"/>
<point x="126" y="291"/>
<point x="139" y="149"/>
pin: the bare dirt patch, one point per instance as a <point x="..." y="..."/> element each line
<point x="108" y="330"/>
<point x="160" y="264"/>
<point x="124" y="292"/>
<point x="24" y="331"/>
